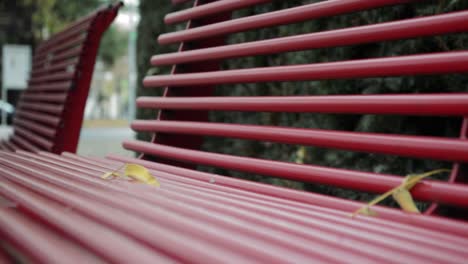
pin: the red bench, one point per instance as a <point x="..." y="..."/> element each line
<point x="50" y="111"/>
<point x="59" y="207"/>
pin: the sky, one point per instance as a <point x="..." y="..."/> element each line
<point x="126" y="15"/>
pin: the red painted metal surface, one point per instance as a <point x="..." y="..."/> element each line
<point x="43" y="130"/>
<point x="192" y="142"/>
<point x="209" y="9"/>
<point x="411" y="146"/>
<point x="436" y="63"/>
<point x="179" y="105"/>
<point x="40" y="117"/>
<point x="59" y="86"/>
<point x="404" y="104"/>
<point x="249" y="189"/>
<point x="119" y="221"/>
<point x="287" y="16"/>
<point x="62" y="203"/>
<point x="417" y="27"/>
<point x="363" y="181"/>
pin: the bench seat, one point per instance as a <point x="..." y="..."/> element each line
<point x="57" y="207"/>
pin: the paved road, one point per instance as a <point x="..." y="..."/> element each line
<point x="101" y="141"/>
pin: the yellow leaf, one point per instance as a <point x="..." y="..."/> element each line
<point x="400" y="193"/>
<point x="403" y="197"/>
<point x="108" y="175"/>
<point x="365" y="211"/>
<point x="140" y="174"/>
<point x="300" y="155"/>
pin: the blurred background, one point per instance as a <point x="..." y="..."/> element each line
<point x="109" y="107"/>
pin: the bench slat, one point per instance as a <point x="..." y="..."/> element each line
<point x="402" y="145"/>
<point x="66" y="65"/>
<point x="78" y="227"/>
<point x="454" y="104"/>
<point x="39" y="117"/>
<point x="71" y="31"/>
<point x="435" y="63"/>
<point x="43" y="142"/>
<point x="445" y="193"/>
<point x="209" y="9"/>
<point x="40" y="243"/>
<point x="410" y="28"/>
<point x="25" y="144"/>
<point x="58" y="57"/>
<point x="42" y="107"/>
<point x="47" y="97"/>
<point x="62" y="76"/>
<point x="286" y="16"/>
<point x="34" y="127"/>
<point x="55" y="86"/>
<point x="73" y="41"/>
<point x="37" y="187"/>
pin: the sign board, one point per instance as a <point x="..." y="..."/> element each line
<point x="16" y="65"/>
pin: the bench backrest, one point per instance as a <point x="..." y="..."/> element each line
<point x="50" y="111"/>
<point x="189" y="95"/>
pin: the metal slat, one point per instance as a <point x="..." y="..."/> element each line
<point x="3" y="146"/>
<point x="293" y="242"/>
<point x="22" y="143"/>
<point x="35" y="128"/>
<point x="410" y="28"/>
<point x="455" y="104"/>
<point x="71" y="42"/>
<point x="134" y="209"/>
<point x="282" y="199"/>
<point x="109" y="244"/>
<point x="302" y="201"/>
<point x="408" y="146"/>
<point x="191" y="195"/>
<point x="434" y="63"/>
<point x="454" y="194"/>
<point x="55" y="86"/>
<point x="62" y="76"/>
<point x="40" y="244"/>
<point x="70" y="64"/>
<point x="39" y="117"/>
<point x="209" y="9"/>
<point x="43" y="142"/>
<point x="45" y="97"/>
<point x="286" y="16"/>
<point x="12" y="146"/>
<point x="66" y="54"/>
<point x="82" y="26"/>
<point x="198" y="240"/>
<point x="165" y="201"/>
<point x="54" y="109"/>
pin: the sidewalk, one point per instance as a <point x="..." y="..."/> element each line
<point x="101" y="137"/>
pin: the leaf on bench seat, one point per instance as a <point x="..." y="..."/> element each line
<point x="140" y="174"/>
<point x="136" y="172"/>
<point x="401" y="194"/>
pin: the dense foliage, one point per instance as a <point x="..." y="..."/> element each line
<point x="152" y="14"/>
